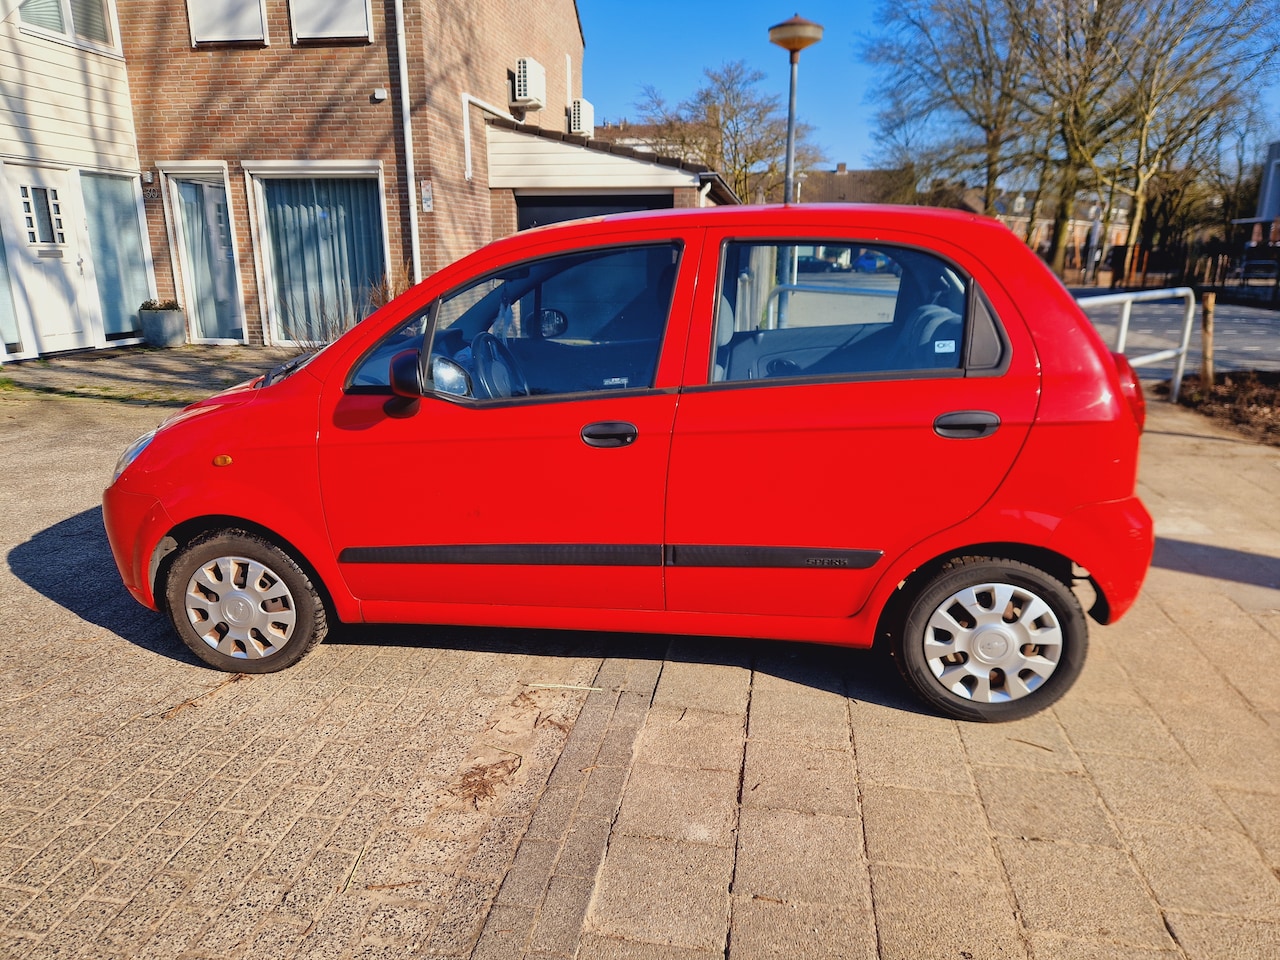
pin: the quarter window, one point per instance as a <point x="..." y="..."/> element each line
<point x="816" y="309"/>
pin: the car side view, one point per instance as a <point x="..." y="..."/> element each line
<point x="834" y="424"/>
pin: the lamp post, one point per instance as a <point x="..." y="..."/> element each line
<point x="793" y="36"/>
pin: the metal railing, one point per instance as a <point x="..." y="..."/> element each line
<point x="1126" y="302"/>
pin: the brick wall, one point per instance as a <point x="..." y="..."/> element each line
<point x="234" y="102"/>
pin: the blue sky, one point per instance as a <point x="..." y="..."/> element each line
<point x="668" y="43"/>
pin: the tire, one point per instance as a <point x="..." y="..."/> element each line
<point x="991" y="640"/>
<point x="243" y="605"/>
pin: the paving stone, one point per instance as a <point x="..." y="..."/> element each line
<point x="794" y="713"/>
<point x="597" y="947"/>
<point x="687" y="901"/>
<point x="673" y="803"/>
<point x="800" y="777"/>
<point x="1043" y="805"/>
<point x="949" y="912"/>
<point x="1241" y="759"/>
<point x="506" y="933"/>
<point x="1194" y="868"/>
<point x="1137" y="789"/>
<point x="942" y="831"/>
<point x="710" y="687"/>
<point x="764" y="929"/>
<point x="1037" y="742"/>
<point x="559" y="924"/>
<point x="1225" y="938"/>
<point x="921" y="758"/>
<point x="526" y="881"/>
<point x="786" y="855"/>
<point x="1260" y="814"/>
<point x="691" y="738"/>
<point x="1081" y="891"/>
<point x="584" y="847"/>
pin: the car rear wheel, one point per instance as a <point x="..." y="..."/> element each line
<point x="242" y="604"/>
<point x="989" y="639"/>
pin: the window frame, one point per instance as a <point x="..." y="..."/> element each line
<point x="306" y="36"/>
<point x="244" y="37"/>
<point x="974" y="298"/>
<point x="68" y="35"/>
<point x="255" y="171"/>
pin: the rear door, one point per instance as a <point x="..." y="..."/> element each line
<point x="856" y="396"/>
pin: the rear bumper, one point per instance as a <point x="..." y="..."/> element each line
<point x="1113" y="541"/>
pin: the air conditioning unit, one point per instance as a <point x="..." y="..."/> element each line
<point x="582" y="118"/>
<point x="531" y="85"/>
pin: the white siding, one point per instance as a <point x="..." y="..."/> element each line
<point x="521" y="161"/>
<point x="63" y="105"/>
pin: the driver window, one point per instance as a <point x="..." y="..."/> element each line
<point x="579" y="323"/>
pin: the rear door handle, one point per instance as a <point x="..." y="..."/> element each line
<point x="966" y="424"/>
<point x="609" y="433"/>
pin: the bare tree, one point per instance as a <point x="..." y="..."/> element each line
<point x="952" y="68"/>
<point x="731" y="127"/>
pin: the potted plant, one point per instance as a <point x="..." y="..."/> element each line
<point x="163" y="323"/>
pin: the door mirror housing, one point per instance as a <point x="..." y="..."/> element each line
<point x="406" y="374"/>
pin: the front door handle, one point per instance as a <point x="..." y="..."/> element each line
<point x="609" y="433"/>
<point x="966" y="424"/>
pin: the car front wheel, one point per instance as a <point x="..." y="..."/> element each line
<point x="989" y="639"/>
<point x="243" y="605"/>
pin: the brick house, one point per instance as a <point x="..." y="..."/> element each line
<point x="250" y="157"/>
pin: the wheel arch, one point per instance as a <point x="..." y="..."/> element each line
<point x="1051" y="562"/>
<point x="195" y="528"/>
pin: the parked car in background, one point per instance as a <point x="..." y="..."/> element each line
<point x="645" y="423"/>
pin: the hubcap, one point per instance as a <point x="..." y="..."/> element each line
<point x="993" y="642"/>
<point x="240" y="607"/>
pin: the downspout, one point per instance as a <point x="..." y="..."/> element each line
<point x="467" y="101"/>
<point x="703" y="191"/>
<point x="406" y="123"/>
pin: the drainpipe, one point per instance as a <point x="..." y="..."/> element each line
<point x="467" y="101"/>
<point x="702" y="193"/>
<point x="406" y="123"/>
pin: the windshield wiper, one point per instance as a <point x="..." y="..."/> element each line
<point x="282" y="370"/>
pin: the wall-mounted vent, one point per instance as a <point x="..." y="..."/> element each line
<point x="531" y="85"/>
<point x="582" y="118"/>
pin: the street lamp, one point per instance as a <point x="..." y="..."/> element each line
<point x="793" y="36"/>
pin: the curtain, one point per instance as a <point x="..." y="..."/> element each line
<point x="46" y="14"/>
<point x="209" y="261"/>
<point x="115" y="243"/>
<point x="325" y="239"/>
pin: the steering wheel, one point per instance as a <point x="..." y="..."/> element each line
<point x="497" y="371"/>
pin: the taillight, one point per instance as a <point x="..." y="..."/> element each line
<point x="1131" y="388"/>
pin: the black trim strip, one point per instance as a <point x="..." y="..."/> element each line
<point x="506" y="554"/>
<point x="618" y="555"/>
<point x="693" y="555"/>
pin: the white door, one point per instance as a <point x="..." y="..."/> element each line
<point x="51" y="268"/>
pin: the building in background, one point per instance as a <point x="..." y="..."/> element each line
<point x="280" y="167"/>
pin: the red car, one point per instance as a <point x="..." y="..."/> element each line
<point x="660" y="423"/>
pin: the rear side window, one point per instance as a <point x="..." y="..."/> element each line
<point x="789" y="309"/>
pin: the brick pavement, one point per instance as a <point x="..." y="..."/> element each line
<point x="701" y="799"/>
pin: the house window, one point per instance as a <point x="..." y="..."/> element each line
<point x="119" y="261"/>
<point x="86" y="20"/>
<point x="227" y="21"/>
<point x="331" y="19"/>
<point x="42" y="215"/>
<point x="325" y="253"/>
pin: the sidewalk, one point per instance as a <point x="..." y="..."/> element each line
<point x="490" y="794"/>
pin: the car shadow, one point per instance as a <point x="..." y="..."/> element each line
<point x="1220" y="563"/>
<point x="70" y="563"/>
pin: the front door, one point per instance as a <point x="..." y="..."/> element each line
<point x="208" y="255"/>
<point x="52" y="266"/>
<point x="533" y="472"/>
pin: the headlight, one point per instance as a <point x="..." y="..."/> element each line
<point x="131" y="454"/>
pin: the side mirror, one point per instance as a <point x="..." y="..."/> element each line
<point x="406" y="375"/>
<point x="552" y="323"/>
